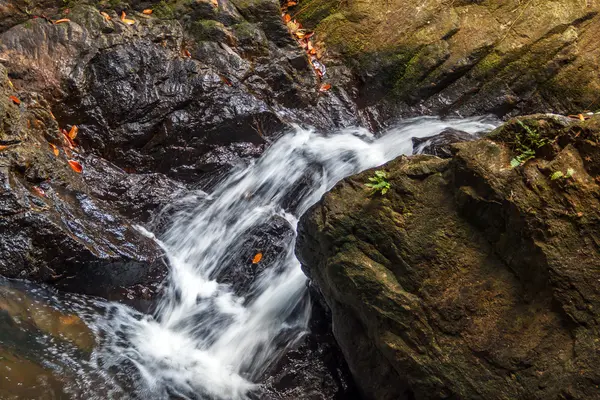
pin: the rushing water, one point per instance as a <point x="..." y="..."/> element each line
<point x="205" y="340"/>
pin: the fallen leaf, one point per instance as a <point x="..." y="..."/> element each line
<point x="15" y="100"/>
<point x="186" y="53"/>
<point x="39" y="191"/>
<point x="291" y="3"/>
<point x="52" y="115"/>
<point x="215" y="3"/>
<point x="581" y="117"/>
<point x="257" y="258"/>
<point x="3" y="147"/>
<point x="287" y="18"/>
<point x="11" y="84"/>
<point x="128" y="21"/>
<point x="75" y="166"/>
<point x="60" y="21"/>
<point x="105" y="15"/>
<point x="123" y="15"/>
<point x="147" y="11"/>
<point x="73" y="132"/>
<point x="309" y="35"/>
<point x="225" y="80"/>
<point x="54" y="149"/>
<point x="300" y="33"/>
<point x="324" y="87"/>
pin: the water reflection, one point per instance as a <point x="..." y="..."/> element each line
<point x="46" y="346"/>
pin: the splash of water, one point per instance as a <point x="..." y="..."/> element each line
<point x="206" y="339"/>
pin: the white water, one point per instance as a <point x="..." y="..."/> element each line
<point x="205" y="341"/>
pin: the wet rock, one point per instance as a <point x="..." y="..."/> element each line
<point x="439" y="145"/>
<point x="52" y="228"/>
<point x="471" y="278"/>
<point x="184" y="98"/>
<point x="466" y="58"/>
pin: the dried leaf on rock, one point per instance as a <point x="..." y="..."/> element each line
<point x="287" y="18"/>
<point x="105" y="15"/>
<point x="215" y="3"/>
<point x="324" y="87"/>
<point x="147" y="11"/>
<point x="73" y="132"/>
<point x="39" y="191"/>
<point x="15" y="100"/>
<point x="3" y="147"/>
<point x="186" y="53"/>
<point x="60" y="21"/>
<point x="291" y="4"/>
<point x="257" y="258"/>
<point x="75" y="166"/>
<point x="54" y="149"/>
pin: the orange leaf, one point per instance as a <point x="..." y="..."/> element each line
<point x="291" y="3"/>
<point x="186" y="53"/>
<point x="54" y="149"/>
<point x="15" y="100"/>
<point x="60" y="21"/>
<point x="128" y="21"/>
<point x="215" y="3"/>
<point x="105" y="15"/>
<point x="3" y="147"/>
<point x="225" y="80"/>
<point x="123" y="15"/>
<point x="300" y="33"/>
<point x="147" y="11"/>
<point x="581" y="117"/>
<point x="287" y="18"/>
<point x="73" y="132"/>
<point x="75" y="166"/>
<point x="257" y="258"/>
<point x="324" y="87"/>
<point x="39" y="191"/>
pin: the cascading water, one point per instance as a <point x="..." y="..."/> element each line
<point x="207" y="340"/>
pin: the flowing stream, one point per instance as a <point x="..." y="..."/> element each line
<point x="206" y="339"/>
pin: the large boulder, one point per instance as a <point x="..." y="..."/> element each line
<point x="473" y="277"/>
<point x="465" y="57"/>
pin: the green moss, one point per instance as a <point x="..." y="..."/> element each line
<point x="312" y="12"/>
<point x="488" y="64"/>
<point x="208" y="30"/>
<point x="162" y="10"/>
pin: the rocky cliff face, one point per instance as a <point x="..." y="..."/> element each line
<point x="462" y="57"/>
<point x="469" y="279"/>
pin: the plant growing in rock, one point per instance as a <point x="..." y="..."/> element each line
<point x="526" y="145"/>
<point x="378" y="183"/>
<point x="559" y="174"/>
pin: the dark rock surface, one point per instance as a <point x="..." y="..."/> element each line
<point x="440" y="145"/>
<point x="469" y="279"/>
<point x="52" y="226"/>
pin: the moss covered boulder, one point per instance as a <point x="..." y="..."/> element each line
<point x="470" y="278"/>
<point x="467" y="57"/>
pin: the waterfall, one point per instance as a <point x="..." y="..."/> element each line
<point x="209" y="339"/>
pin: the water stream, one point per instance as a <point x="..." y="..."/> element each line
<point x="206" y="339"/>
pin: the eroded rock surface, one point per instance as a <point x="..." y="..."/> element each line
<point x="469" y="279"/>
<point x="462" y="57"/>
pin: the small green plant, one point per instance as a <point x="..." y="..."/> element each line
<point x="558" y="174"/>
<point x="526" y="145"/>
<point x="378" y="183"/>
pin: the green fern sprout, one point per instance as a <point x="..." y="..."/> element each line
<point x="378" y="183"/>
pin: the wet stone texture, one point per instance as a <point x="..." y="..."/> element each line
<point x="165" y="107"/>
<point x="469" y="279"/>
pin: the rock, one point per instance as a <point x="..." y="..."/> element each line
<point x="52" y="227"/>
<point x="466" y="58"/>
<point x="439" y="145"/>
<point x="469" y="279"/>
<point x="186" y="92"/>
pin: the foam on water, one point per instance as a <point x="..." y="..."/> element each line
<point x="205" y="341"/>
